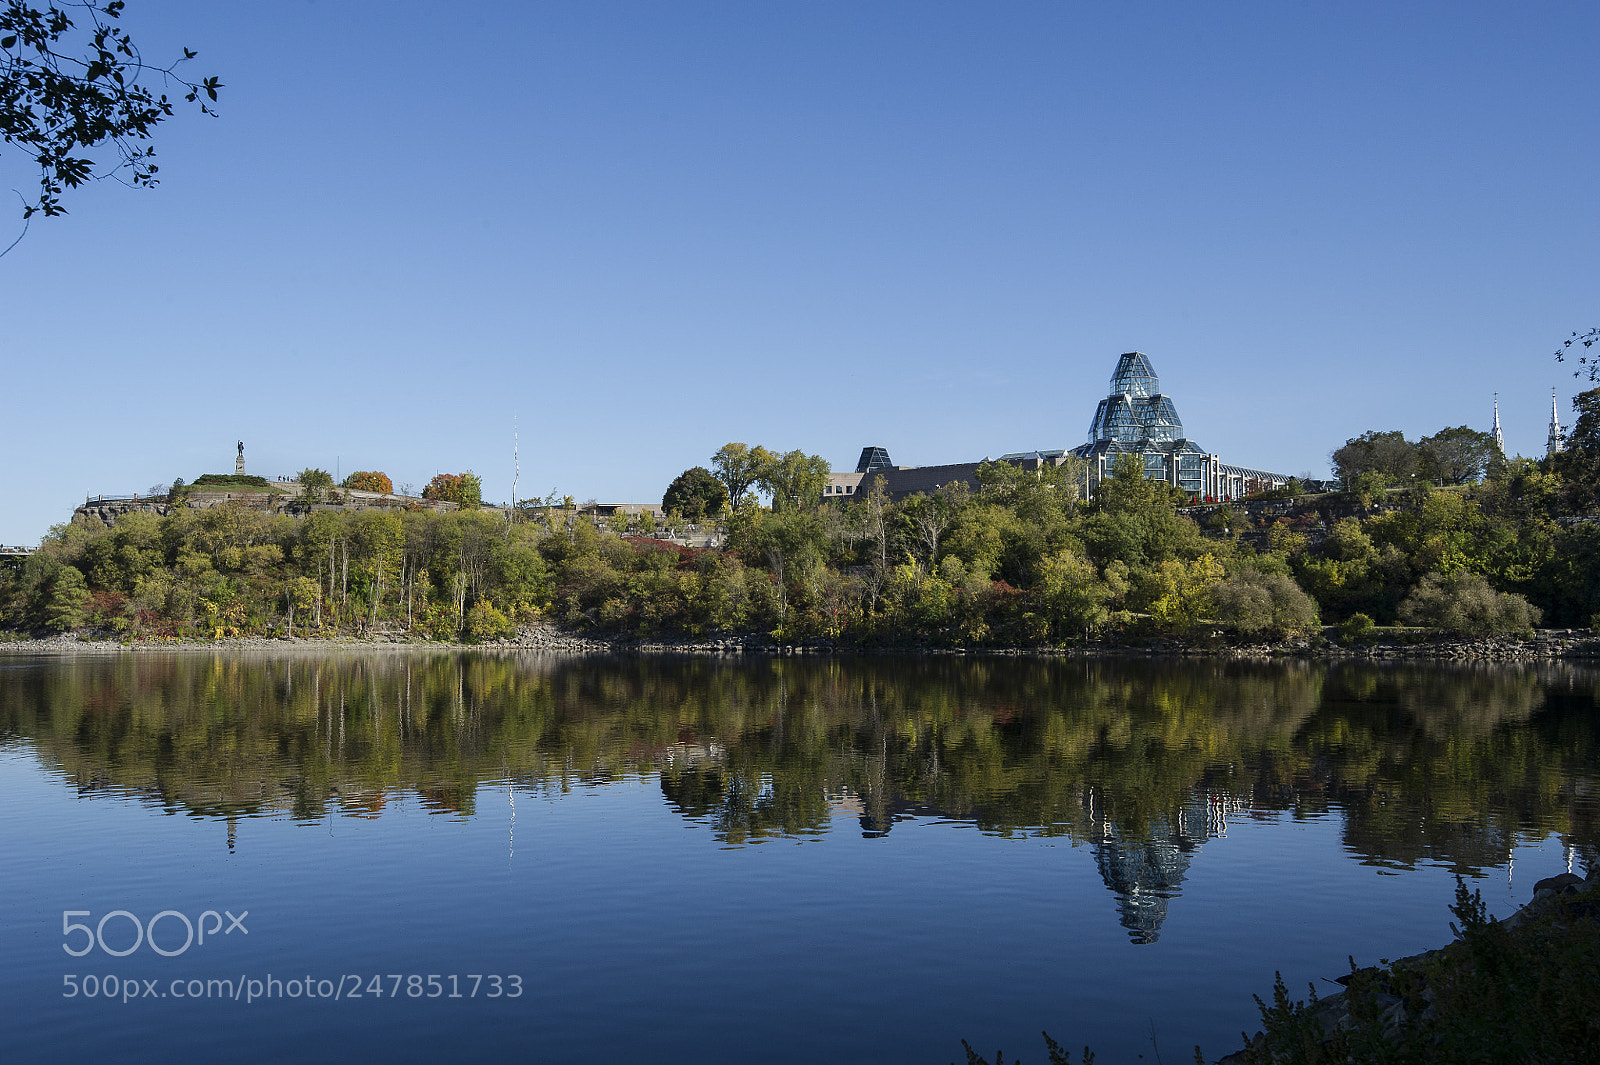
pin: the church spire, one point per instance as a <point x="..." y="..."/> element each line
<point x="1557" y="440"/>
<point x="1499" y="437"/>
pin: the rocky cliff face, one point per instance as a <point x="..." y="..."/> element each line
<point x="1312" y="517"/>
<point x="108" y="511"/>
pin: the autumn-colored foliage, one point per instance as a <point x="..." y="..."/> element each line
<point x="444" y="486"/>
<point x="370" y="481"/>
<point x="463" y="489"/>
<point x="649" y="544"/>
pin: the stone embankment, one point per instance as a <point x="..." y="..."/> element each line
<point x="537" y="638"/>
<point x="1545" y="645"/>
<point x="1553" y="901"/>
<point x="84" y="643"/>
<point x="551" y="638"/>
<point x="1548" y="644"/>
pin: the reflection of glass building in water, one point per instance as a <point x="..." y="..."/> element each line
<point x="1136" y="419"/>
<point x="1144" y="872"/>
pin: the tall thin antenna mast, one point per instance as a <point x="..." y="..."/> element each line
<point x="516" y="462"/>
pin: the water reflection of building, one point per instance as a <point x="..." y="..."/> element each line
<point x="1144" y="871"/>
<point x="876" y="809"/>
<point x="844" y="803"/>
<point x="685" y="755"/>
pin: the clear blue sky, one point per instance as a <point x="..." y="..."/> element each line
<point x="644" y="230"/>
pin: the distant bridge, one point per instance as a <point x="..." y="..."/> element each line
<point x="15" y="556"/>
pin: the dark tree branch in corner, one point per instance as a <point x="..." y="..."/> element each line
<point x="26" y="222"/>
<point x="1587" y="359"/>
<point x="66" y="89"/>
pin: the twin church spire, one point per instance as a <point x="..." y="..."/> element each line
<point x="1555" y="440"/>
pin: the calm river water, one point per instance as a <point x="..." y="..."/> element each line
<point x="443" y="857"/>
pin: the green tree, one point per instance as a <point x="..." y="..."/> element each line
<point x="1579" y="464"/>
<point x="485" y="622"/>
<point x="1072" y="594"/>
<point x="925" y="518"/>
<point x="1520" y="491"/>
<point x="1388" y="454"/>
<point x="1456" y="456"/>
<point x="471" y="497"/>
<point x="1018" y="519"/>
<point x="739" y="468"/>
<point x="1256" y="602"/>
<point x="67" y="89"/>
<point x="128" y="553"/>
<point x="1135" y="520"/>
<point x="1355" y="628"/>
<point x="1346" y="572"/>
<point x="1128" y="490"/>
<point x="696" y="494"/>
<point x="378" y="543"/>
<point x="792" y="543"/>
<point x="65" y="609"/>
<point x="794" y="479"/>
<point x="301" y="594"/>
<point x="521" y="578"/>
<point x="1466" y="604"/>
<point x="1569" y="584"/>
<point x="1184" y="591"/>
<point x="1032" y="493"/>
<point x="1442" y="532"/>
<point x="314" y="484"/>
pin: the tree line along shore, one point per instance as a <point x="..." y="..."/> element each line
<point x="1022" y="561"/>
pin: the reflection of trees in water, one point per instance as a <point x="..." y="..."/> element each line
<point x="1468" y="700"/>
<point x="1450" y="763"/>
<point x="1434" y="764"/>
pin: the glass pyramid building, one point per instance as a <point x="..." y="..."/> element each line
<point x="1135" y="418"/>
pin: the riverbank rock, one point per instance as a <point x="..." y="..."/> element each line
<point x="1544" y="645"/>
<point x="551" y="638"/>
<point x="1401" y="1002"/>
